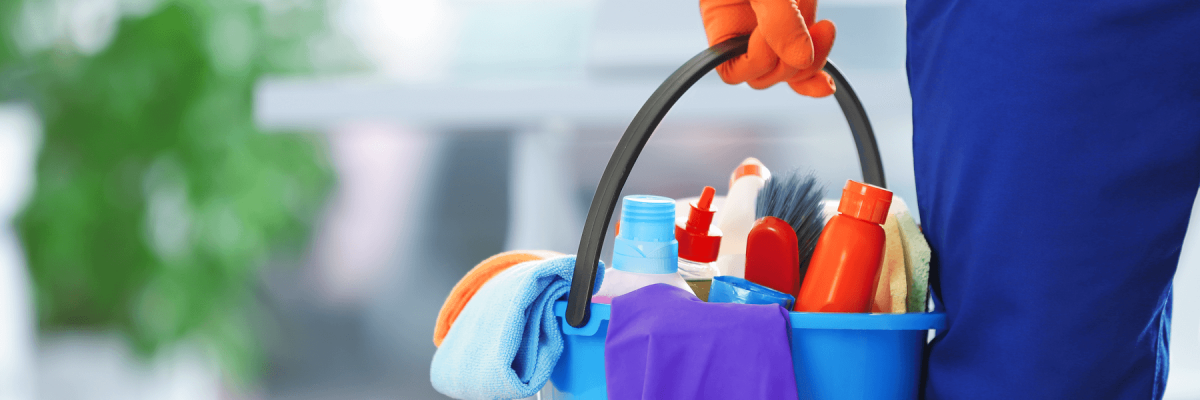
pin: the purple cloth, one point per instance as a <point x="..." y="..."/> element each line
<point x="664" y="343"/>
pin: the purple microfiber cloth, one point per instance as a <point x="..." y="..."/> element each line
<point x="664" y="343"/>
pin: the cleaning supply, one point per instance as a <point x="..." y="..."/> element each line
<point x="772" y="255"/>
<point x="663" y="343"/>
<point x="736" y="216"/>
<point x="645" y="251"/>
<point x="891" y="293"/>
<point x="466" y="287"/>
<point x="781" y="242"/>
<point x="699" y="243"/>
<point x="845" y="264"/>
<point x="506" y="341"/>
<point x="731" y="289"/>
<point x="916" y="256"/>
<point x="786" y="43"/>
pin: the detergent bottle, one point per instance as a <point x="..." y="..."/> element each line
<point x="645" y="251"/>
<point x="845" y="264"/>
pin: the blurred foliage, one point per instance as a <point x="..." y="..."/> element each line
<point x="157" y="198"/>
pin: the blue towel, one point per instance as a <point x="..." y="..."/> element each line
<point x="506" y="341"/>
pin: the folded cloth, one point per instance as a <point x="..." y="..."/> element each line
<point x="466" y="287"/>
<point x="664" y="343"/>
<point x="891" y="293"/>
<point x="506" y="341"/>
<point x="916" y="255"/>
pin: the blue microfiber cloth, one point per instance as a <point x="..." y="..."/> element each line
<point x="506" y="341"/>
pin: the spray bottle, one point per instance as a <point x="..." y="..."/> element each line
<point x="699" y="242"/>
<point x="736" y="216"/>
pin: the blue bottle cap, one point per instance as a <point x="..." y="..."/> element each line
<point x="646" y="243"/>
<point x="731" y="289"/>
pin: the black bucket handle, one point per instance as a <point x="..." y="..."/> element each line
<point x="635" y="137"/>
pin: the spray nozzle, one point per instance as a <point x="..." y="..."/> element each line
<point x="698" y="240"/>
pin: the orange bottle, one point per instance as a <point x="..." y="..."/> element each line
<point x="844" y="269"/>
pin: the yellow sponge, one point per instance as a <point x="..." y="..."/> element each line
<point x="916" y="255"/>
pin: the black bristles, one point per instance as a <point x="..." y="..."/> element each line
<point x="795" y="198"/>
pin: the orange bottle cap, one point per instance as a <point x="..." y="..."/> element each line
<point x="749" y="166"/>
<point x="866" y="202"/>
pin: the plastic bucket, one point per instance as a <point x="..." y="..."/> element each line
<point x="860" y="356"/>
<point x="836" y="356"/>
<point x="579" y="373"/>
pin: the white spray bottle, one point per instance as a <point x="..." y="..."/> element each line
<point x="736" y="216"/>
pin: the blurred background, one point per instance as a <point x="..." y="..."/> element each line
<point x="270" y="199"/>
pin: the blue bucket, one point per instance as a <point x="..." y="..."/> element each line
<point x="836" y="356"/>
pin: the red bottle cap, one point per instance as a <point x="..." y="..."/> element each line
<point x="699" y="241"/>
<point x="866" y="202"/>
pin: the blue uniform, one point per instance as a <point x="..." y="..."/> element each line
<point x="1057" y="155"/>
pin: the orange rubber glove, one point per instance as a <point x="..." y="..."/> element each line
<point x="785" y="43"/>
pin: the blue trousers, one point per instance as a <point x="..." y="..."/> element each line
<point x="1057" y="157"/>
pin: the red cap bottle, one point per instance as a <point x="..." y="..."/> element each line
<point x="698" y="240"/>
<point x="844" y="269"/>
<point x="699" y="244"/>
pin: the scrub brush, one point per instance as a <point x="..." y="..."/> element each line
<point x="790" y="220"/>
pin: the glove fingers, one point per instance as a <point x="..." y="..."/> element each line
<point x="820" y="85"/>
<point x="780" y="73"/>
<point x="823" y="33"/>
<point x="784" y="29"/>
<point x="724" y="19"/>
<point x="785" y="43"/>
<point x="808" y="10"/>
<point x="759" y="60"/>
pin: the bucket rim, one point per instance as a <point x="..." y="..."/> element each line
<point x="880" y="322"/>
<point x="798" y="320"/>
<point x="600" y="313"/>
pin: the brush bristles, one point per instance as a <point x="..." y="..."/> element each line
<point x="795" y="198"/>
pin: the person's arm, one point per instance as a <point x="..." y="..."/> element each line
<point x="785" y="43"/>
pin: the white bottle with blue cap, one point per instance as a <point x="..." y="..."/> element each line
<point x="645" y="251"/>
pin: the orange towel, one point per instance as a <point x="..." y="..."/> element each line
<point x="466" y="287"/>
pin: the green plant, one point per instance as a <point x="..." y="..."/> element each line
<point x="157" y="198"/>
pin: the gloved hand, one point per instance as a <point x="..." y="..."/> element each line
<point x="785" y="44"/>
